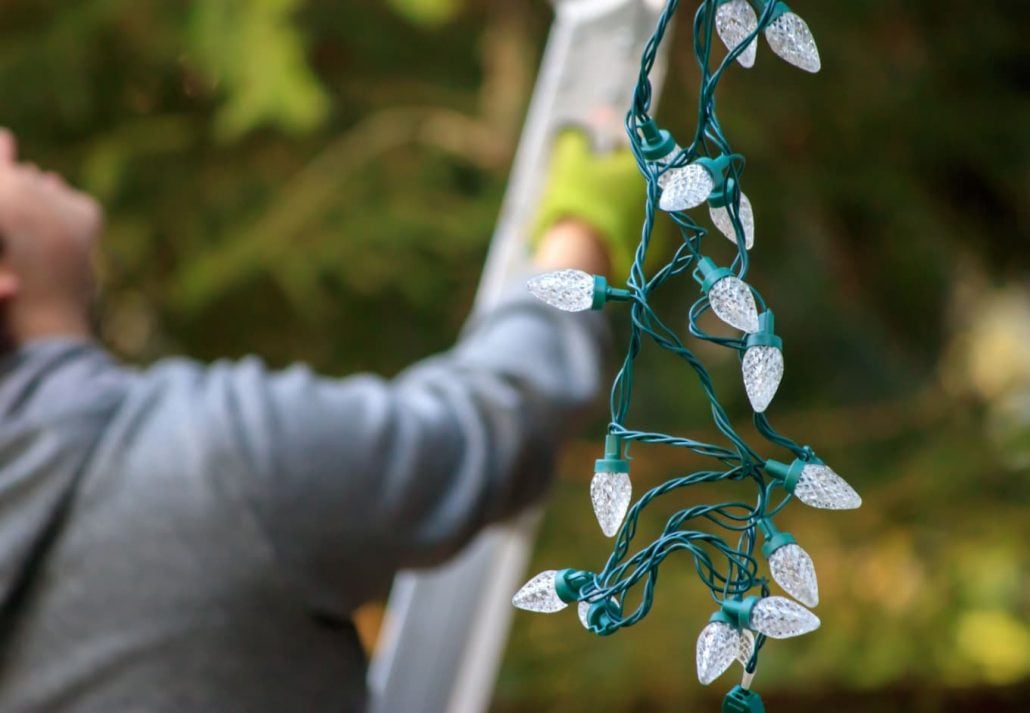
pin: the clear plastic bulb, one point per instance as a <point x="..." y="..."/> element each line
<point x="717" y="647"/>
<point x="663" y="180"/>
<point x="685" y="187"/>
<point x="733" y="303"/>
<point x="734" y="21"/>
<point x="793" y="570"/>
<point x="747" y="647"/>
<point x="721" y="219"/>
<point x="762" y="369"/>
<point x="539" y="595"/>
<point x="819" y="487"/>
<point x="789" y="37"/>
<point x="780" y="618"/>
<point x="583" y="610"/>
<point x="567" y="290"/>
<point x="610" y="494"/>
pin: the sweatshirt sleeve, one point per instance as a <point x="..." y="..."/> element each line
<point x="355" y="478"/>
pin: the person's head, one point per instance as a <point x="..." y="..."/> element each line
<point x="47" y="232"/>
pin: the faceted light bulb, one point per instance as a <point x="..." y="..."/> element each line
<point x="762" y="368"/>
<point x="747" y="647"/>
<point x="663" y="180"/>
<point x="610" y="494"/>
<point x="734" y="21"/>
<point x="721" y="219"/>
<point x="717" y="647"/>
<point x="789" y="37"/>
<point x="567" y="290"/>
<point x="538" y="594"/>
<point x="733" y="303"/>
<point x="685" y="187"/>
<point x="820" y="487"/>
<point x="583" y="610"/>
<point x="780" y="618"/>
<point x="793" y="570"/>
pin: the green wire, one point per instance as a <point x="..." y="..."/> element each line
<point x="727" y="570"/>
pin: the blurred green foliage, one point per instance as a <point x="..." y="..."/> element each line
<point x="427" y="12"/>
<point x="318" y="180"/>
<point x="273" y="86"/>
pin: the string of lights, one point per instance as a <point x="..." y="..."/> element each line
<point x="725" y="553"/>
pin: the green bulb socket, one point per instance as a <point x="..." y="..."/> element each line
<point x="789" y="474"/>
<point x="707" y="273"/>
<point x="781" y="8"/>
<point x="774" y="538"/>
<point x="720" y="197"/>
<point x="720" y="616"/>
<point x="766" y="334"/>
<point x="717" y="167"/>
<point x="724" y="184"/>
<point x="739" y="611"/>
<point x="742" y="700"/>
<point x="568" y="583"/>
<point x="600" y="292"/>
<point x="604" y="293"/>
<point x="657" y="143"/>
<point x="613" y="462"/>
<point x="602" y="616"/>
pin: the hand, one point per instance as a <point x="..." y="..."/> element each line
<point x="572" y="243"/>
<point x="602" y="193"/>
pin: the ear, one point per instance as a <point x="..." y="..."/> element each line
<point x="9" y="285"/>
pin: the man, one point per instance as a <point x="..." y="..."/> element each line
<point x="193" y="538"/>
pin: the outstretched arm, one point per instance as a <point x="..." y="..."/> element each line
<point x="351" y="479"/>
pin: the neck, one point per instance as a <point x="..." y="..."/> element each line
<point x="26" y="325"/>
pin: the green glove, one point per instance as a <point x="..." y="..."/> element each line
<point x="605" y="191"/>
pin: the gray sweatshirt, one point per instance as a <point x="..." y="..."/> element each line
<point x="193" y="538"/>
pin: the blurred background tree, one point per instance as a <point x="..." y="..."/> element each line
<point x="318" y="180"/>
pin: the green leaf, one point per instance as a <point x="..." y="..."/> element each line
<point x="253" y="53"/>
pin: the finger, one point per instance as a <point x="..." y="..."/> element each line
<point x="8" y="146"/>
